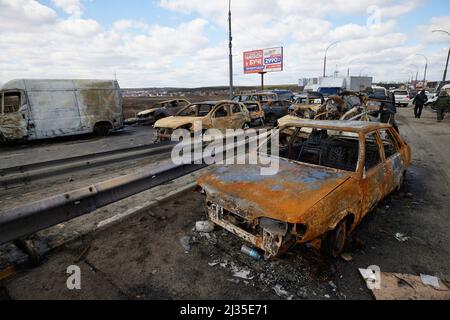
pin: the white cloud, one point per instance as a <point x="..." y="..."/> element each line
<point x="437" y="23"/>
<point x="72" y="7"/>
<point x="36" y="42"/>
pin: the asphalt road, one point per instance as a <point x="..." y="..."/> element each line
<point x="157" y="255"/>
<point x="52" y="149"/>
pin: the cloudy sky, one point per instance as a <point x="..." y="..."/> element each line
<point x="184" y="42"/>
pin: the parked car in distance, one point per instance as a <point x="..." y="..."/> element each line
<point x="402" y="98"/>
<point x="43" y="109"/>
<point x="220" y="115"/>
<point x="161" y="110"/>
<point x="330" y="91"/>
<point x="331" y="174"/>
<point x="378" y="93"/>
<point x="256" y="111"/>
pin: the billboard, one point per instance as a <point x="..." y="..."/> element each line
<point x="265" y="60"/>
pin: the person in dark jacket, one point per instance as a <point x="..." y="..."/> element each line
<point x="419" y="101"/>
<point x="442" y="104"/>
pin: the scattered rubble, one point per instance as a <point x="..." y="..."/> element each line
<point x="396" y="286"/>
<point x="185" y="243"/>
<point x="282" y="293"/>
<point x="401" y="237"/>
<point x="204" y="226"/>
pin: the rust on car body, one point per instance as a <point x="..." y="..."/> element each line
<point x="331" y="174"/>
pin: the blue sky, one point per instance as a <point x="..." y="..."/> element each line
<point x="184" y="42"/>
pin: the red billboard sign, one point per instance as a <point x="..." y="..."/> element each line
<point x="265" y="60"/>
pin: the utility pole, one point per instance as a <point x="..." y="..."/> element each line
<point x="448" y="58"/>
<point x="231" y="51"/>
<point x="426" y="68"/>
<point x="325" y="58"/>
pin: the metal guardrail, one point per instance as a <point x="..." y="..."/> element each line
<point x="31" y="218"/>
<point x="23" y="174"/>
<point x="24" y="221"/>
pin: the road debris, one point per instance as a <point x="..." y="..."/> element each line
<point x="401" y="237"/>
<point x="251" y="253"/>
<point x="185" y="243"/>
<point x="282" y="293"/>
<point x="396" y="286"/>
<point x="204" y="226"/>
<point x="346" y="257"/>
<point x="430" y="280"/>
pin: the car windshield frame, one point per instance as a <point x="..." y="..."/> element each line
<point x="198" y="106"/>
<point x="354" y="135"/>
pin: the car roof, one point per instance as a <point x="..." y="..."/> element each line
<point x="213" y="102"/>
<point x="340" y="125"/>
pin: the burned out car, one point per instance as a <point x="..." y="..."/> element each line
<point x="331" y="174"/>
<point x="220" y="115"/>
<point x="161" y="110"/>
<point x="256" y="111"/>
<point x="273" y="105"/>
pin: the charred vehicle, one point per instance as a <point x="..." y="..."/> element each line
<point x="348" y="106"/>
<point x="331" y="174"/>
<point x="274" y="107"/>
<point x="218" y="115"/>
<point x="42" y="109"/>
<point x="161" y="110"/>
<point x="256" y="111"/>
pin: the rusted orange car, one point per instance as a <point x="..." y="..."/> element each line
<point x="331" y="174"/>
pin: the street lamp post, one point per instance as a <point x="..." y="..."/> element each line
<point x="426" y="68"/>
<point x="448" y="57"/>
<point x="231" y="51"/>
<point x="325" y="59"/>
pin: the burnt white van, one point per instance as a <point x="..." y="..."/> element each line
<point x="43" y="109"/>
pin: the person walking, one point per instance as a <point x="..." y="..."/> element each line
<point x="442" y="104"/>
<point x="419" y="101"/>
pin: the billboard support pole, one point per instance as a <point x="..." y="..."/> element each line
<point x="262" y="80"/>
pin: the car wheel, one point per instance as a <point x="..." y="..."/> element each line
<point x="102" y="129"/>
<point x="335" y="240"/>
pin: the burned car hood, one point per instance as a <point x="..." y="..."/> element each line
<point x="286" y="196"/>
<point x="175" y="122"/>
<point x="145" y="112"/>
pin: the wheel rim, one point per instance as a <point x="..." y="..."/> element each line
<point x="339" y="236"/>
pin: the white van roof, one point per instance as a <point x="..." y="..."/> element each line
<point x="63" y="84"/>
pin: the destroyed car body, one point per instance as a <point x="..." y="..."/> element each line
<point x="348" y="106"/>
<point x="331" y="174"/>
<point x="274" y="108"/>
<point x="161" y="110"/>
<point x="212" y="114"/>
<point x="256" y="112"/>
<point x="42" y="109"/>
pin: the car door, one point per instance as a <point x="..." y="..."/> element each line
<point x="394" y="164"/>
<point x="372" y="182"/>
<point x="221" y="117"/>
<point x="238" y="118"/>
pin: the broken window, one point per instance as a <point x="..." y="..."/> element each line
<point x="390" y="144"/>
<point x="221" y="112"/>
<point x="322" y="147"/>
<point x="236" y="109"/>
<point x="373" y="157"/>
<point x="11" y="102"/>
<point x="196" y="110"/>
